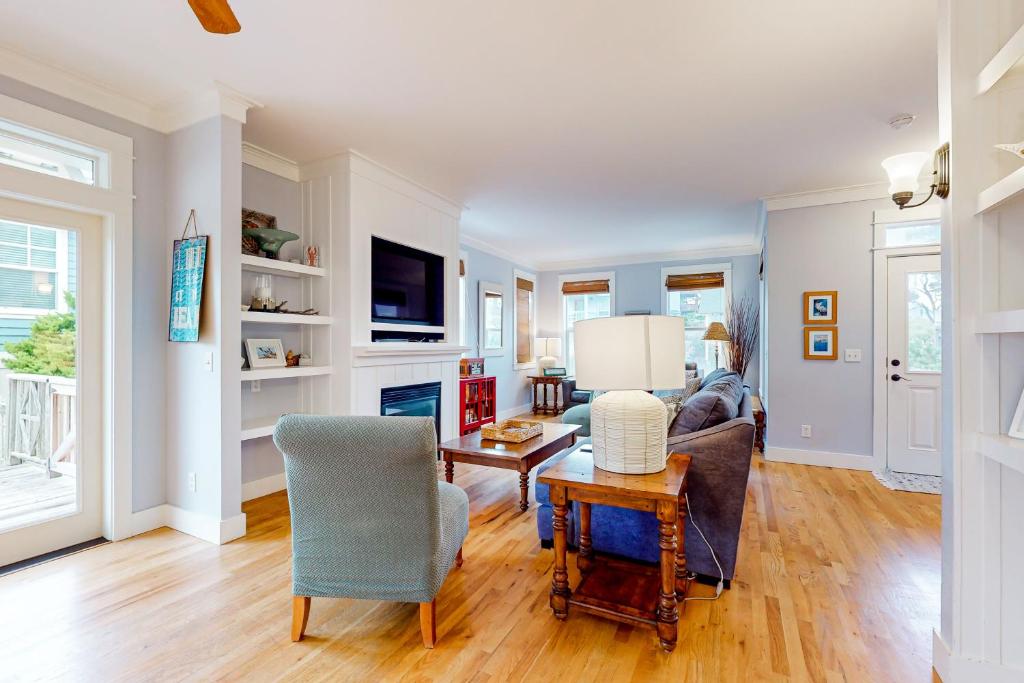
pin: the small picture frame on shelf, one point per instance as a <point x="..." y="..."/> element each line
<point x="820" y="308"/>
<point x="265" y="353"/>
<point x="471" y="367"/>
<point x="554" y="372"/>
<point x="821" y="343"/>
<point x="1016" y="430"/>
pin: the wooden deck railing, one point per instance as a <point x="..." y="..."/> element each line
<point x="39" y="425"/>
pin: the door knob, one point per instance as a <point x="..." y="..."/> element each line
<point x="897" y="378"/>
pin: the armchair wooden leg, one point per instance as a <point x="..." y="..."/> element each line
<point x="458" y="558"/>
<point x="428" y="626"/>
<point x="300" y="615"/>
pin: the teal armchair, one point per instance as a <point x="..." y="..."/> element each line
<point x="369" y="518"/>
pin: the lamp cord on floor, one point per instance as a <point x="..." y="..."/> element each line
<point x="721" y="573"/>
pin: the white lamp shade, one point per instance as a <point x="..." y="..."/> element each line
<point x="630" y="352"/>
<point x="548" y="346"/>
<point x="904" y="170"/>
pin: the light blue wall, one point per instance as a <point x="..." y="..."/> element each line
<point x="513" y="387"/>
<point x="638" y="287"/>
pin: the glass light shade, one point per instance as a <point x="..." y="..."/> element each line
<point x="904" y="171"/>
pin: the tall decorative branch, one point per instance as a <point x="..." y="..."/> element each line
<point x="743" y="321"/>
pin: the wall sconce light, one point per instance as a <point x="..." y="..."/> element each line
<point x="905" y="169"/>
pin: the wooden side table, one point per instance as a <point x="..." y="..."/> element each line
<point x="617" y="589"/>
<point x="759" y="420"/>
<point x="540" y="403"/>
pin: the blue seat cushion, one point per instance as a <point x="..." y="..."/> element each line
<point x="578" y="415"/>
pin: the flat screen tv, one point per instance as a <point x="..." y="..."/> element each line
<point x="407" y="285"/>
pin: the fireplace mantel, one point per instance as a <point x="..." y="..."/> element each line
<point x="403" y="353"/>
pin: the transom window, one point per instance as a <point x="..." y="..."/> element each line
<point x="39" y="152"/>
<point x="912" y="234"/>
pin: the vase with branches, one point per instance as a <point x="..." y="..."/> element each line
<point x="743" y="320"/>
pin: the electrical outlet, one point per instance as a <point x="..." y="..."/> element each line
<point x="192" y="482"/>
<point x="853" y="355"/>
<point x="805" y="431"/>
<point x="255" y="387"/>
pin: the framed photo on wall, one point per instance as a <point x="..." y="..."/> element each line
<point x="820" y="308"/>
<point x="265" y="353"/>
<point x="821" y="343"/>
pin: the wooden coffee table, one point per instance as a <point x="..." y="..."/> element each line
<point x="617" y="589"/>
<point x="521" y="457"/>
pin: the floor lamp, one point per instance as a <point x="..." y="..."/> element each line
<point x="716" y="332"/>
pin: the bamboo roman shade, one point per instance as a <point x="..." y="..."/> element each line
<point x="691" y="281"/>
<point x="586" y="287"/>
<point x="525" y="285"/>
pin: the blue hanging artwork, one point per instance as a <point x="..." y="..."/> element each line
<point x="187" y="266"/>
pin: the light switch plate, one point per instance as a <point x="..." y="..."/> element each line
<point x="853" y="355"/>
<point x="805" y="431"/>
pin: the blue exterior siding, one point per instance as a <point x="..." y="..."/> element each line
<point x="17" y="329"/>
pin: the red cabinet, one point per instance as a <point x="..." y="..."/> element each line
<point x="476" y="403"/>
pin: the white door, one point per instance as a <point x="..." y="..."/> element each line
<point x="51" y="316"/>
<point x="914" y="364"/>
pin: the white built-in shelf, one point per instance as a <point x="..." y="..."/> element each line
<point x="995" y="195"/>
<point x="1003" y="449"/>
<point x="259" y="264"/>
<point x="283" y="373"/>
<point x="285" y="318"/>
<point x="257" y="429"/>
<point x="1001" y="322"/>
<point x="1002" y="63"/>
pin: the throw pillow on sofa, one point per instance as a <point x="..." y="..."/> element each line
<point x="703" y="410"/>
<point x="728" y="384"/>
<point x="712" y="376"/>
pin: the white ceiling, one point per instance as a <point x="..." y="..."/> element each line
<point x="575" y="129"/>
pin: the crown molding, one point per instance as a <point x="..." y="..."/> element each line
<point x="266" y="160"/>
<point x="834" y="195"/>
<point x="487" y="248"/>
<point x="659" y="257"/>
<point x="217" y="100"/>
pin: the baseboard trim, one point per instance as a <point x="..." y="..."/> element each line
<point x="204" y="527"/>
<point x="952" y="668"/>
<point x="263" y="487"/>
<point x="514" y="411"/>
<point x="848" y="461"/>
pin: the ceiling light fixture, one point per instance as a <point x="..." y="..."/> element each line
<point x="905" y="169"/>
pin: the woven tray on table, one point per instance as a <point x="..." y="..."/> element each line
<point x="512" y="431"/>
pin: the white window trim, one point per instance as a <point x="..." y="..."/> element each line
<point x="884" y="218"/>
<point x="608" y="275"/>
<point x="532" y="277"/>
<point x="111" y="200"/>
<point x="725" y="268"/>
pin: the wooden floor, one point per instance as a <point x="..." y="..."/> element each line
<point x="29" y="496"/>
<point x="838" y="579"/>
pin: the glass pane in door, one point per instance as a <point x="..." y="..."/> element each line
<point x="924" y="322"/>
<point x="39" y="459"/>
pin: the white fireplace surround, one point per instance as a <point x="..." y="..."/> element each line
<point x="368" y="381"/>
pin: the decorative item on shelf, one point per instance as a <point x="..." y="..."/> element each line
<point x="265" y="353"/>
<point x="291" y="359"/>
<point x="716" y="332"/>
<point x="1016" y="149"/>
<point x="555" y="372"/>
<point x="821" y="343"/>
<point x="250" y="247"/>
<point x="904" y="170"/>
<point x="821" y="308"/>
<point x="305" y="360"/>
<point x="312" y="256"/>
<point x="245" y="307"/>
<point x="263" y="293"/>
<point x="549" y="349"/>
<point x="262" y="228"/>
<point x="743" y="320"/>
<point x="471" y="367"/>
<point x="512" y="431"/>
<point x="628" y="357"/>
<point x="188" y="265"/>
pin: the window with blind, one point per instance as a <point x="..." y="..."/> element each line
<point x="33" y="267"/>
<point x="699" y="298"/>
<point x="582" y="300"/>
<point x="524" y="322"/>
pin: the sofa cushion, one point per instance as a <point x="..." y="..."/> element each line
<point x="703" y="410"/>
<point x="579" y="396"/>
<point x="712" y="376"/>
<point x="728" y="384"/>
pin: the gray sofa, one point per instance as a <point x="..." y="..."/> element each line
<point x="717" y="491"/>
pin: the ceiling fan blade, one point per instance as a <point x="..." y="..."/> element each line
<point x="215" y="16"/>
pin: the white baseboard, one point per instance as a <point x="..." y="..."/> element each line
<point x="848" y="461"/>
<point x="263" y="487"/>
<point x="953" y="668"/>
<point x="514" y="411"/>
<point x="205" y="527"/>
